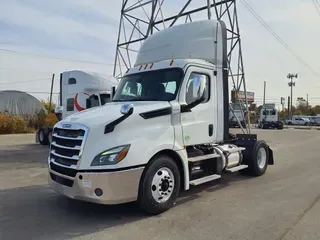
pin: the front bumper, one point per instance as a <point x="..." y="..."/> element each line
<point x="117" y="187"/>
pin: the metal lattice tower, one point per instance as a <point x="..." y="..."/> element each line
<point x="141" y="18"/>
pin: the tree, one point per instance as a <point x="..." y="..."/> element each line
<point x="46" y="104"/>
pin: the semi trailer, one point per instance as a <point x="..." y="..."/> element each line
<point x="165" y="130"/>
<point x="79" y="90"/>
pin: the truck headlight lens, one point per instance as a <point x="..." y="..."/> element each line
<point x="111" y="156"/>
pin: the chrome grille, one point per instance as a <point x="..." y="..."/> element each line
<point x="66" y="147"/>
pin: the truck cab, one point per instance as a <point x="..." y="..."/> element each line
<point x="166" y="128"/>
<point x="269" y="117"/>
<point x="238" y="114"/>
<point x="76" y="87"/>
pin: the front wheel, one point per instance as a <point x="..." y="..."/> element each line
<point x="159" y="186"/>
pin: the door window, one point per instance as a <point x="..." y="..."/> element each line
<point x="70" y="104"/>
<point x="93" y="101"/>
<point x="189" y="94"/>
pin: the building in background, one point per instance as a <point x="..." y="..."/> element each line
<point x="19" y="103"/>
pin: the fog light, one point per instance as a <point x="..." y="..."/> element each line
<point x="98" y="192"/>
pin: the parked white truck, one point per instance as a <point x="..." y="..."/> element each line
<point x="165" y="130"/>
<point x="237" y="115"/>
<point x="79" y="90"/>
<point x="269" y="117"/>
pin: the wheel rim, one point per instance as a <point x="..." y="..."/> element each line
<point x="162" y="185"/>
<point x="41" y="135"/>
<point x="262" y="158"/>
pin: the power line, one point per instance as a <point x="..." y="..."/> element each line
<point x="23" y="70"/>
<point x="47" y="56"/>
<point x="33" y="80"/>
<point x="257" y="16"/>
<point x="315" y="3"/>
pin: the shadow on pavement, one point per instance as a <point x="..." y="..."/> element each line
<point x="23" y="155"/>
<point x="40" y="213"/>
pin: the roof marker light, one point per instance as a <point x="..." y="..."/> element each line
<point x="140" y="67"/>
<point x="151" y="65"/>
<point x="171" y="62"/>
<point x="146" y="67"/>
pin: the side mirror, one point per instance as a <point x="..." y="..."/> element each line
<point x="199" y="84"/>
<point x="127" y="109"/>
<point x="58" y="112"/>
<point x="58" y="109"/>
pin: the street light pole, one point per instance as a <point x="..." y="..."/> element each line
<point x="291" y="85"/>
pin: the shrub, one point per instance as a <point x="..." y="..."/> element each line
<point x="10" y="124"/>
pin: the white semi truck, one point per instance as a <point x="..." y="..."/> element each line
<point x="79" y="90"/>
<point x="269" y="117"/>
<point x="165" y="130"/>
<point x="236" y="115"/>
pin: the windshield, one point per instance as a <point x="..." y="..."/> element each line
<point x="158" y="85"/>
<point x="104" y="97"/>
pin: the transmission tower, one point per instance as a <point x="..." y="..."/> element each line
<point x="141" y="18"/>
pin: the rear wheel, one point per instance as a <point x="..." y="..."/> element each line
<point x="49" y="137"/>
<point x="43" y="137"/>
<point x="159" y="186"/>
<point x="258" y="161"/>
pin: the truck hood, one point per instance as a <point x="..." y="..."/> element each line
<point x="111" y="111"/>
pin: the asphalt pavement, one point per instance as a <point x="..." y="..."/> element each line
<point x="283" y="204"/>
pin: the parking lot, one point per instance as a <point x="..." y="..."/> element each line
<point x="282" y="204"/>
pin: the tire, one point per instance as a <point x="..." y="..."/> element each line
<point x="43" y="137"/>
<point x="150" y="195"/>
<point x="49" y="137"/>
<point x="280" y="126"/>
<point x="258" y="159"/>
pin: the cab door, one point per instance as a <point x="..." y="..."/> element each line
<point x="198" y="124"/>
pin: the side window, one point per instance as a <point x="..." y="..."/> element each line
<point x="94" y="100"/>
<point x="189" y="94"/>
<point x="72" y="81"/>
<point x="70" y="104"/>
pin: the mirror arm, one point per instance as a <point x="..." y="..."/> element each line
<point x="188" y="107"/>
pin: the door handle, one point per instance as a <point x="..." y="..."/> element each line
<point x="210" y="130"/>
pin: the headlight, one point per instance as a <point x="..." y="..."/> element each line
<point x="111" y="156"/>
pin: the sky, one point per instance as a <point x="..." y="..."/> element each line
<point x="39" y="38"/>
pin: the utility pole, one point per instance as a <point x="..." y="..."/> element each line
<point x="50" y="102"/>
<point x="264" y="94"/>
<point x="282" y="99"/>
<point x="288" y="107"/>
<point x="291" y="85"/>
<point x="308" y="103"/>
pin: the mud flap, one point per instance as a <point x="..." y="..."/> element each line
<point x="270" y="160"/>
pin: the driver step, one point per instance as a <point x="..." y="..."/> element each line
<point x="203" y="157"/>
<point x="237" y="168"/>
<point x="204" y="179"/>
